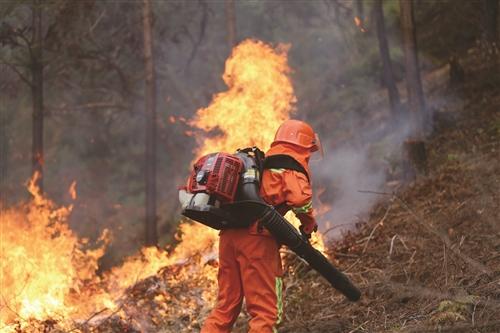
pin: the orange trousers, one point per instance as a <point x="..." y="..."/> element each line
<point x="249" y="267"/>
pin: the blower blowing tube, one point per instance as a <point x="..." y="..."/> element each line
<point x="285" y="233"/>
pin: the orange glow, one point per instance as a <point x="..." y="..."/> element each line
<point x="359" y="24"/>
<point x="72" y="190"/>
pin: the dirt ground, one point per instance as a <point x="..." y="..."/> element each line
<point x="428" y="259"/>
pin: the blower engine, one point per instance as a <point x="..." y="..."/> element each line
<point x="211" y="187"/>
<point x="223" y="192"/>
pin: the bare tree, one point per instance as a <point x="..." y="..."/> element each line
<point x="28" y="43"/>
<point x="151" y="237"/>
<point x="415" y="147"/>
<point x="37" y="91"/>
<point x="230" y="23"/>
<point x="385" y="56"/>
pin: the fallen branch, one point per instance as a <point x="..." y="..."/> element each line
<point x="357" y="328"/>
<point x="392" y="245"/>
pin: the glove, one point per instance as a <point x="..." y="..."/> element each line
<point x="307" y="231"/>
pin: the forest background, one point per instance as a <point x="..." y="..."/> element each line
<point x="92" y="60"/>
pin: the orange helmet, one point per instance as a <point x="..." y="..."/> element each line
<point x="297" y="133"/>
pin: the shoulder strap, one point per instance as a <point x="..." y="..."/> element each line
<point x="284" y="162"/>
<point x="256" y="154"/>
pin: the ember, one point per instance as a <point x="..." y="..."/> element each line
<point x="359" y="24"/>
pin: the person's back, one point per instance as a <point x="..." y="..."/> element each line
<point x="288" y="189"/>
<point x="249" y="261"/>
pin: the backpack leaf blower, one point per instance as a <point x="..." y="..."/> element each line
<point x="223" y="192"/>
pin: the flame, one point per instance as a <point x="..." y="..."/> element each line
<point x="72" y="190"/>
<point x="43" y="263"/>
<point x="48" y="273"/>
<point x="194" y="239"/>
<point x="259" y="98"/>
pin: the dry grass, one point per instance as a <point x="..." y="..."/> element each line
<point x="428" y="260"/>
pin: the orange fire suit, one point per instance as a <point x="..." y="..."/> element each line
<point x="249" y="261"/>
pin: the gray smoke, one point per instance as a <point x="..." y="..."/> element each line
<point x="366" y="162"/>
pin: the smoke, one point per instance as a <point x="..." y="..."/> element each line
<point x="334" y="68"/>
<point x="371" y="157"/>
<point x="345" y="173"/>
<point x="366" y="162"/>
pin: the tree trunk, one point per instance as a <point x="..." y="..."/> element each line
<point x="231" y="23"/>
<point x="151" y="237"/>
<point x="414" y="159"/>
<point x="488" y="44"/>
<point x="415" y="92"/>
<point x="383" y="46"/>
<point x="360" y="10"/>
<point x="413" y="82"/>
<point x="37" y="93"/>
<point x="489" y="21"/>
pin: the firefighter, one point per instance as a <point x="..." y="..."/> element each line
<point x="249" y="260"/>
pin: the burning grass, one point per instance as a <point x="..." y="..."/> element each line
<point x="49" y="281"/>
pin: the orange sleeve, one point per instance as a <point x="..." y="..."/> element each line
<point x="298" y="196"/>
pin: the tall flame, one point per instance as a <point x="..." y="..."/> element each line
<point x="259" y="98"/>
